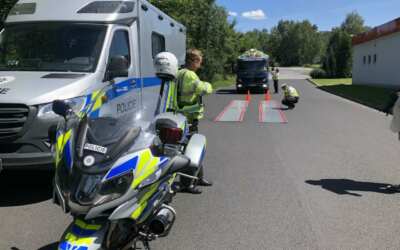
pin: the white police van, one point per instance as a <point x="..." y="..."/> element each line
<point x="51" y="49"/>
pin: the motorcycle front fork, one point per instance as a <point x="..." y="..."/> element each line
<point x="146" y="246"/>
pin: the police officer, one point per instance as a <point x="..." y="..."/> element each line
<point x="394" y="107"/>
<point x="187" y="97"/>
<point x="190" y="89"/>
<point x="291" y="96"/>
<point x="275" y="78"/>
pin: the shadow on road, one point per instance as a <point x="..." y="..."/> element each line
<point x="283" y="108"/>
<point x="227" y="92"/>
<point x="234" y="92"/>
<point x="349" y="187"/>
<point x="52" y="246"/>
<point x="18" y="188"/>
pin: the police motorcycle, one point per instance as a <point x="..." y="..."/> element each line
<point x="116" y="176"/>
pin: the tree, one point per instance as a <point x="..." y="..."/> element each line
<point x="257" y="39"/>
<point x="354" y="24"/>
<point x="295" y="43"/>
<point x="208" y="29"/>
<point x="338" y="59"/>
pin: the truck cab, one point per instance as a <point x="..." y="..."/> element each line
<point x="252" y="71"/>
<point x="52" y="50"/>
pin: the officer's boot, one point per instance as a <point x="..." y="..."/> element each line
<point x="202" y="180"/>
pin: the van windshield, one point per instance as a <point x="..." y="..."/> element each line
<point x="252" y="66"/>
<point x="62" y="47"/>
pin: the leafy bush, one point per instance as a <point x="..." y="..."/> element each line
<point x="338" y="58"/>
<point x="318" y="74"/>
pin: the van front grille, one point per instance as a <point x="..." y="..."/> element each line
<point x="253" y="80"/>
<point x="12" y="119"/>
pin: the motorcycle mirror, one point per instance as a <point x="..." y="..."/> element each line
<point x="179" y="163"/>
<point x="61" y="108"/>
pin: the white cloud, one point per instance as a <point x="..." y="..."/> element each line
<point x="254" y="14"/>
<point x="231" y="13"/>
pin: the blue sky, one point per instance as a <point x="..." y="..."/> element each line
<point x="325" y="14"/>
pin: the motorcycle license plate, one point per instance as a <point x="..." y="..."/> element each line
<point x="95" y="148"/>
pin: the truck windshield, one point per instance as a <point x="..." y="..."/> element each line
<point x="252" y="65"/>
<point x="51" y="47"/>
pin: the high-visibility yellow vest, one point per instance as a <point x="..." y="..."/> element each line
<point x="184" y="94"/>
<point x="291" y="92"/>
<point x="275" y="76"/>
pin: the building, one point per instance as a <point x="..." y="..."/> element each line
<point x="376" y="56"/>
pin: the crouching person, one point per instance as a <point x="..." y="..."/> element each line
<point x="290" y="96"/>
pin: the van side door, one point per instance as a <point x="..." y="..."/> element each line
<point x="124" y="96"/>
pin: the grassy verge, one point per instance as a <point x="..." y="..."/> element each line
<point x="374" y="97"/>
<point x="332" y="82"/>
<point x="313" y="66"/>
<point x="224" y="83"/>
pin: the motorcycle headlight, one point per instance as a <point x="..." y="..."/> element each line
<point x="46" y="110"/>
<point x="115" y="188"/>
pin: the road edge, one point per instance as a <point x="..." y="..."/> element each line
<point x="353" y="100"/>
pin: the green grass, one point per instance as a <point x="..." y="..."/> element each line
<point x="313" y="66"/>
<point x="224" y="83"/>
<point x="375" y="97"/>
<point x="330" y="82"/>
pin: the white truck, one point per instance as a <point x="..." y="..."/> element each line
<point x="66" y="50"/>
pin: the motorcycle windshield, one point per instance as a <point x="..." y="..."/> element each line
<point x="98" y="136"/>
<point x="104" y="131"/>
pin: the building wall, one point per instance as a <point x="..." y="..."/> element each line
<point x="386" y="69"/>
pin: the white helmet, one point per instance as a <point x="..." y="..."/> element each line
<point x="166" y="65"/>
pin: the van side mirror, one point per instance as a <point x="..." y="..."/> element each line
<point x="117" y="67"/>
<point x="61" y="108"/>
<point x="234" y="68"/>
<point x="1" y="40"/>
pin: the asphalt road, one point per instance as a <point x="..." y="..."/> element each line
<point x="314" y="183"/>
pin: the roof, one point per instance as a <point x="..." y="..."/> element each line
<point x="378" y="32"/>
<point x="54" y="10"/>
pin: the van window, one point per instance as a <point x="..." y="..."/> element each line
<point x="120" y="45"/>
<point x="157" y="43"/>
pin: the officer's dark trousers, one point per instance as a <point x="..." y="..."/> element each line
<point x="194" y="127"/>
<point x="290" y="101"/>
<point x="276" y="86"/>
